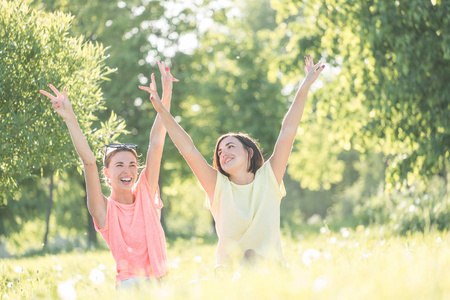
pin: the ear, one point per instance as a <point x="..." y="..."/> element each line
<point x="250" y="153"/>
<point x="105" y="171"/>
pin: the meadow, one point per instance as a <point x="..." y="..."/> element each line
<point x="363" y="263"/>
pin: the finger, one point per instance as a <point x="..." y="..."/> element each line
<point x="58" y="94"/>
<point x="310" y="60"/>
<point x="148" y="89"/>
<point x="55" y="106"/>
<point x="65" y="94"/>
<point x="170" y="75"/>
<point x="319" y="70"/>
<point x="161" y="67"/>
<point x="145" y="88"/>
<point x="152" y="82"/>
<point x="306" y="69"/>
<point x="317" y="66"/>
<point x="47" y="94"/>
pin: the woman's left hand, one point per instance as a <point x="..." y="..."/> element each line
<point x="312" y="70"/>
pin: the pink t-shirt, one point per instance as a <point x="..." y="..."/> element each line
<point x="134" y="234"/>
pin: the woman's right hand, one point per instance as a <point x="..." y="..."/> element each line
<point x="167" y="78"/>
<point x="61" y="103"/>
<point x="154" y="97"/>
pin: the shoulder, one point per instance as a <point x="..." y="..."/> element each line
<point x="265" y="170"/>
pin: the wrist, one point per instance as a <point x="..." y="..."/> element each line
<point x="304" y="87"/>
<point x="71" y="117"/>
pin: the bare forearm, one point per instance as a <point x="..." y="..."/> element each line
<point x="158" y="132"/>
<point x="295" y="113"/>
<point x="180" y="138"/>
<point x="79" y="141"/>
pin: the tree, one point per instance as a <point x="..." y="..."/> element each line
<point x="36" y="50"/>
<point x="388" y="89"/>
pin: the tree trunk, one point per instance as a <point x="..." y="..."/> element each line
<point x="49" y="211"/>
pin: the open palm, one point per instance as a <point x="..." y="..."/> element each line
<point x="312" y="70"/>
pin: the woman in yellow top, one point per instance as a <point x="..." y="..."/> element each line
<point x="244" y="193"/>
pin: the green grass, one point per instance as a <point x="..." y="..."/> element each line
<point x="366" y="264"/>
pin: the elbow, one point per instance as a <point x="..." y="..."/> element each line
<point x="188" y="151"/>
<point x="157" y="142"/>
<point x="90" y="162"/>
<point x="288" y="131"/>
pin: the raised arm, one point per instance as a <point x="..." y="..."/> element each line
<point x="205" y="174"/>
<point x="158" y="131"/>
<point x="96" y="202"/>
<point x="285" y="140"/>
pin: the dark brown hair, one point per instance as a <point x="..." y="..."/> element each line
<point x="256" y="161"/>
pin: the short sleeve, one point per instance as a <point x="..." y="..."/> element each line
<point x="273" y="180"/>
<point x="143" y="189"/>
<point x="105" y="228"/>
<point x="217" y="190"/>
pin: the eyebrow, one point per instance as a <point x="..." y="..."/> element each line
<point x="220" y="149"/>
<point x="120" y="162"/>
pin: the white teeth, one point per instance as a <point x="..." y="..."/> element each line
<point x="126" y="179"/>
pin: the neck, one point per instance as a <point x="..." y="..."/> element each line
<point x="242" y="178"/>
<point x="124" y="197"/>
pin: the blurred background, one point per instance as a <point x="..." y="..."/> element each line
<point x="372" y="148"/>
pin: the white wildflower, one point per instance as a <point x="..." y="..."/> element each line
<point x="18" y="269"/>
<point x="66" y="290"/>
<point x="310" y="256"/>
<point x="345" y="232"/>
<point x="96" y="276"/>
<point x="320" y="283"/>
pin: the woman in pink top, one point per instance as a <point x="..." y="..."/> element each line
<point x="129" y="220"/>
<point x="244" y="192"/>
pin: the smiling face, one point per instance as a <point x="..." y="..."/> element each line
<point x="122" y="170"/>
<point x="233" y="156"/>
<point x="235" y="151"/>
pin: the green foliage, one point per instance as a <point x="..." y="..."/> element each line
<point x="187" y="216"/>
<point x="376" y="120"/>
<point x="36" y="50"/>
<point x="408" y="210"/>
<point x="388" y="61"/>
<point x="315" y="141"/>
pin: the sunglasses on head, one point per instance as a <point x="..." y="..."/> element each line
<point x="118" y="146"/>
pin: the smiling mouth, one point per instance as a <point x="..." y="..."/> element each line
<point x="227" y="160"/>
<point x="125" y="180"/>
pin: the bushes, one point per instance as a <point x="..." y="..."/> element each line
<point x="405" y="211"/>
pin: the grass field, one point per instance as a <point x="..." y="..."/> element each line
<point x="350" y="264"/>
